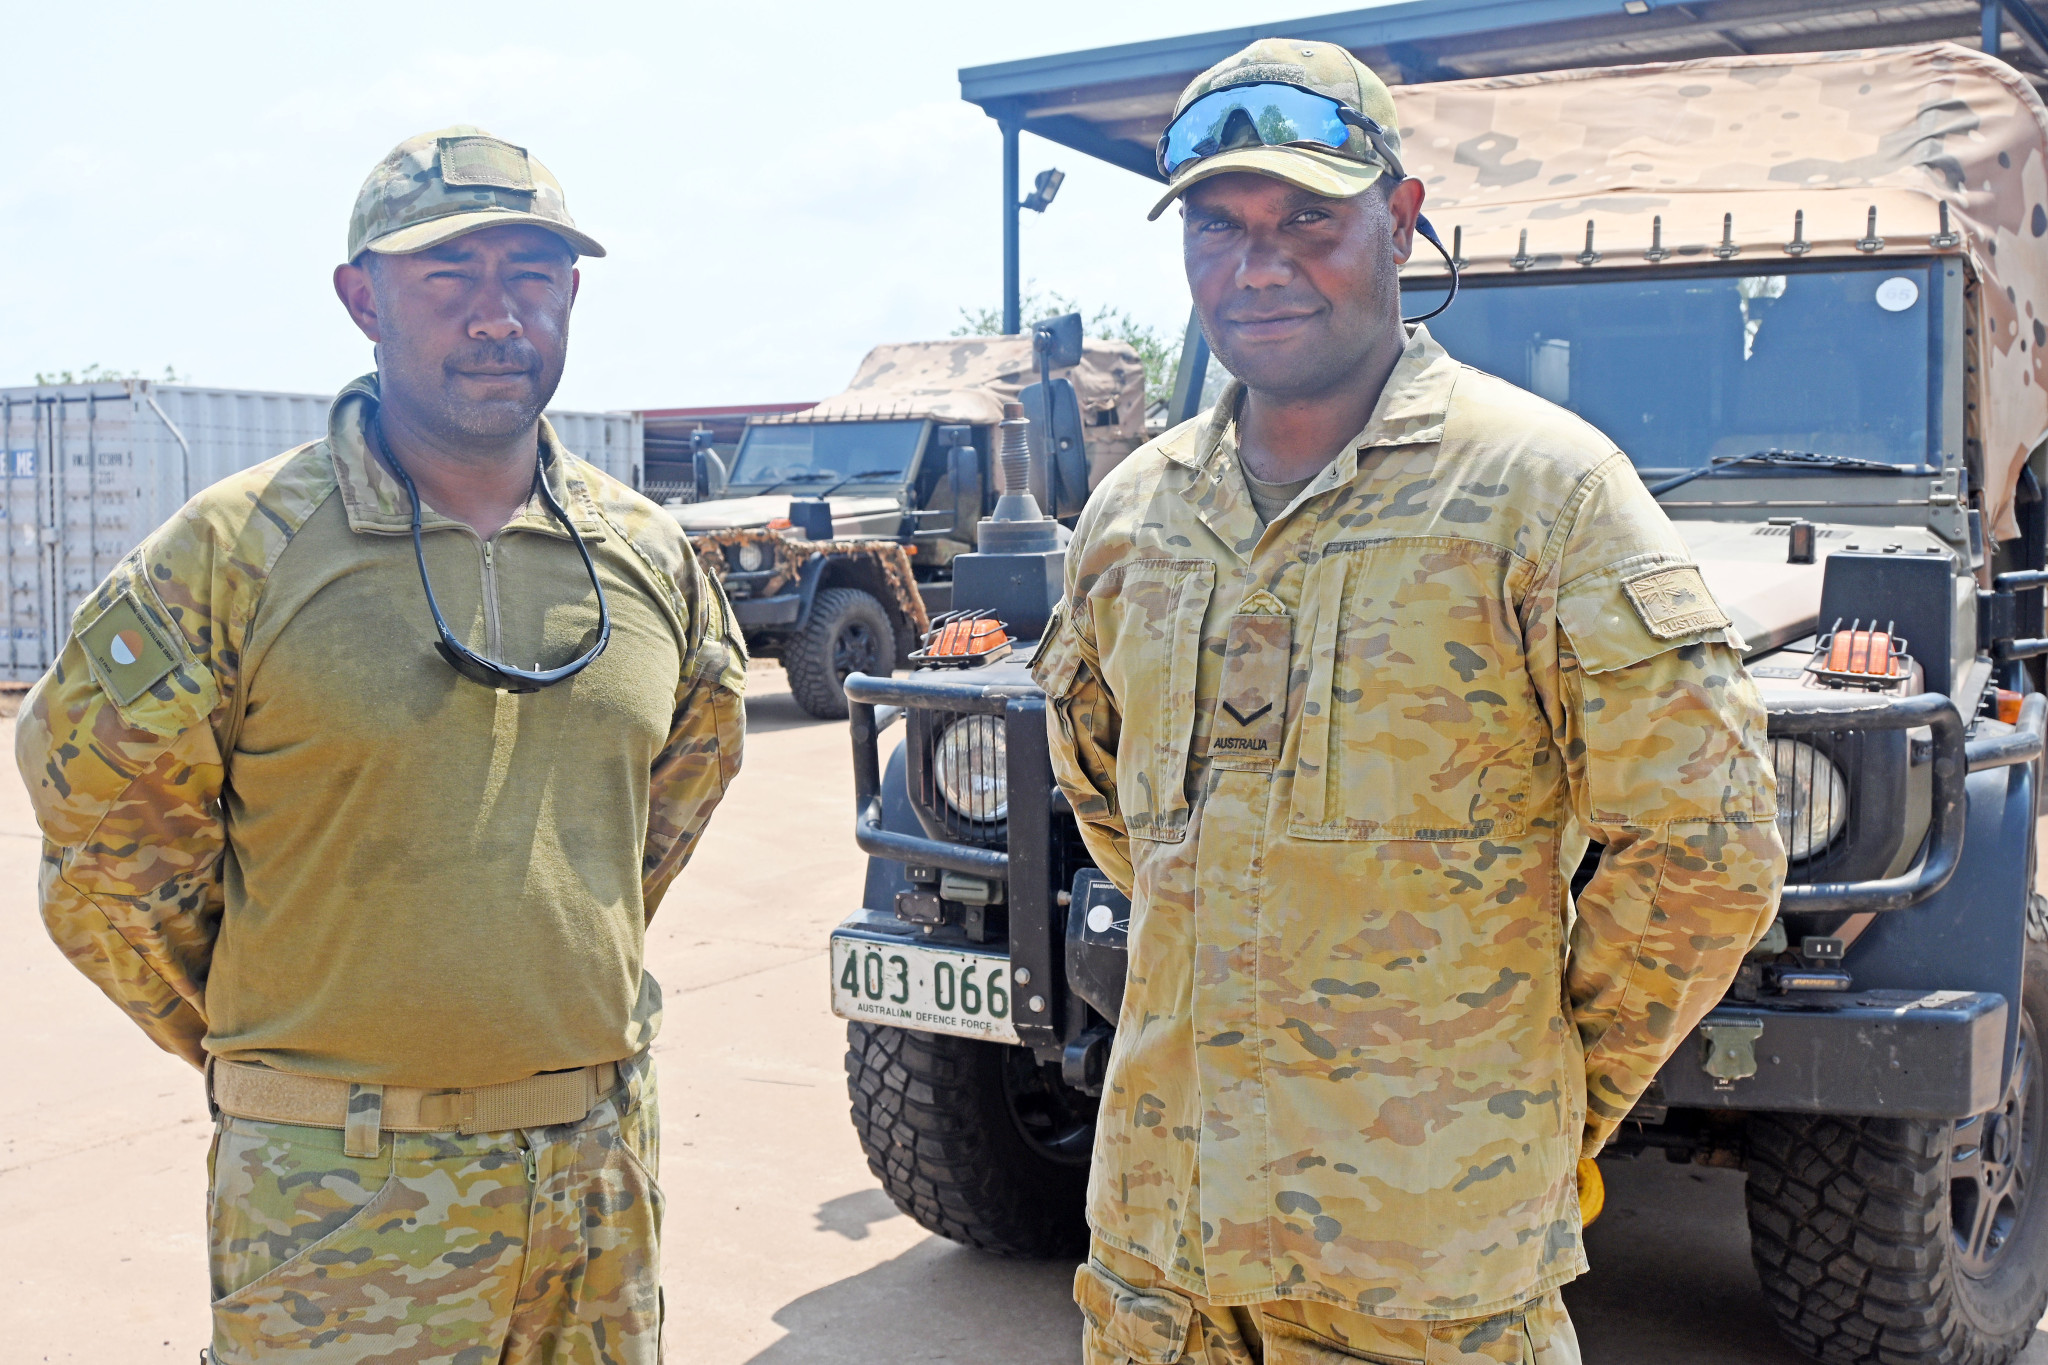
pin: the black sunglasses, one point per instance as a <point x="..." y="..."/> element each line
<point x="1273" y="113"/>
<point x="467" y="661"/>
<point x="1277" y="114"/>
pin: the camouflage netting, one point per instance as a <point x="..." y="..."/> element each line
<point x="1903" y="129"/>
<point x="788" y="555"/>
<point x="968" y="379"/>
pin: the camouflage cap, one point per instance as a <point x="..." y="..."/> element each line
<point x="1324" y="68"/>
<point x="442" y="184"/>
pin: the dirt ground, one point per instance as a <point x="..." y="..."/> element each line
<point x="781" y="1249"/>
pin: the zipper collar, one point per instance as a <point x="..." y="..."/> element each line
<point x="376" y="502"/>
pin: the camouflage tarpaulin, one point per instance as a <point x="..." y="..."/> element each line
<point x="789" y="555"/>
<point x="968" y="379"/>
<point x="1902" y="129"/>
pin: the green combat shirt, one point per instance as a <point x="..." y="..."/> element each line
<point x="1345" y="765"/>
<point x="280" y="829"/>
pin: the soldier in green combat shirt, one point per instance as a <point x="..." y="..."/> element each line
<point x="360" y="779"/>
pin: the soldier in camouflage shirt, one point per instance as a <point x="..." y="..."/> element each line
<point x="397" y="915"/>
<point x="1349" y="672"/>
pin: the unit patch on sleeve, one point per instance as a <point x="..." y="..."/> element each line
<point x="1675" y="602"/>
<point x="129" y="654"/>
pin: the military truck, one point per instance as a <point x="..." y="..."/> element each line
<point x="835" y="528"/>
<point x="1806" y="294"/>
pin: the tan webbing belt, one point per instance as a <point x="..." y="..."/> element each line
<point x="363" y="1111"/>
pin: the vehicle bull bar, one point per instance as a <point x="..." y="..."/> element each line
<point x="873" y="705"/>
<point x="1952" y="759"/>
<point x="1036" y="922"/>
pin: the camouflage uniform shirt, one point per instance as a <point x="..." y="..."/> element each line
<point x="280" y="829"/>
<point x="1345" y="765"/>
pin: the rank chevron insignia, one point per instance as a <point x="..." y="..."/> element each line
<point x="1241" y="718"/>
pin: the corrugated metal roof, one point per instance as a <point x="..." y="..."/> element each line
<point x="1113" y="102"/>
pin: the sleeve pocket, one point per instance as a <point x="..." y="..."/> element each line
<point x="1632" y="612"/>
<point x="138" y="659"/>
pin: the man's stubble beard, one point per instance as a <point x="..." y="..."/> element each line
<point x="437" y="403"/>
<point x="1319" y="371"/>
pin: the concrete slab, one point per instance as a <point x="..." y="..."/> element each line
<point x="782" y="1250"/>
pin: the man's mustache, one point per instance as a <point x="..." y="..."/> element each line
<point x="515" y="356"/>
<point x="1267" y="310"/>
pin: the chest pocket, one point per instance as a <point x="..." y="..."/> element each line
<point x="1148" y="630"/>
<point x="1418" y="719"/>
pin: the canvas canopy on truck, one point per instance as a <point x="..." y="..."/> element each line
<point x="968" y="379"/>
<point x="1735" y="154"/>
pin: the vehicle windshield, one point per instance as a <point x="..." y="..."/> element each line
<point x="1678" y="370"/>
<point x="824" y="453"/>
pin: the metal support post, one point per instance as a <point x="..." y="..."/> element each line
<point x="1194" y="369"/>
<point x="1993" y="23"/>
<point x="2027" y="26"/>
<point x="1013" y="297"/>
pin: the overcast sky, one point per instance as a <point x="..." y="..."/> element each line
<point x="780" y="186"/>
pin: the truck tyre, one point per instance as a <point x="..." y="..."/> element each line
<point x="848" y="633"/>
<point x="975" y="1141"/>
<point x="1906" y="1241"/>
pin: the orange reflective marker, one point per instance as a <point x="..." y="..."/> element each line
<point x="959" y="638"/>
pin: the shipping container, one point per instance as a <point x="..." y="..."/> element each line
<point x="88" y="470"/>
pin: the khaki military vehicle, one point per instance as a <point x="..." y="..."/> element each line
<point x="1808" y="295"/>
<point x="836" y="528"/>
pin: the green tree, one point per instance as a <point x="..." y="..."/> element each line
<point x="1160" y="353"/>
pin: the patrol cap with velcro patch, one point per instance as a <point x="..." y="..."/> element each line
<point x="440" y="185"/>
<point x="1325" y="68"/>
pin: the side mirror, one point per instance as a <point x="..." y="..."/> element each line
<point x="1059" y="454"/>
<point x="1057" y="342"/>
<point x="708" y="472"/>
<point x="965" y="476"/>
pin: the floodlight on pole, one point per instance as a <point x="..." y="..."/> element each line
<point x="1043" y="191"/>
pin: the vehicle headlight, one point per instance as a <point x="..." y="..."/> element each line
<point x="750" y="555"/>
<point x="1813" y="800"/>
<point x="971" y="764"/>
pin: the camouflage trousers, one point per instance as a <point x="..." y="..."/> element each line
<point x="1133" y="1317"/>
<point x="535" y="1245"/>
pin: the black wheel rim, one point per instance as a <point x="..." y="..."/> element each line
<point x="855" y="649"/>
<point x="1056" y="1122"/>
<point x="1991" y="1165"/>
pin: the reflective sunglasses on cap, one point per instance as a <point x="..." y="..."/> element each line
<point x="1278" y="114"/>
<point x="466" y="661"/>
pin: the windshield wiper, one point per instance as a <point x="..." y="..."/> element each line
<point x="1778" y="459"/>
<point x="807" y="476"/>
<point x="861" y="474"/>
